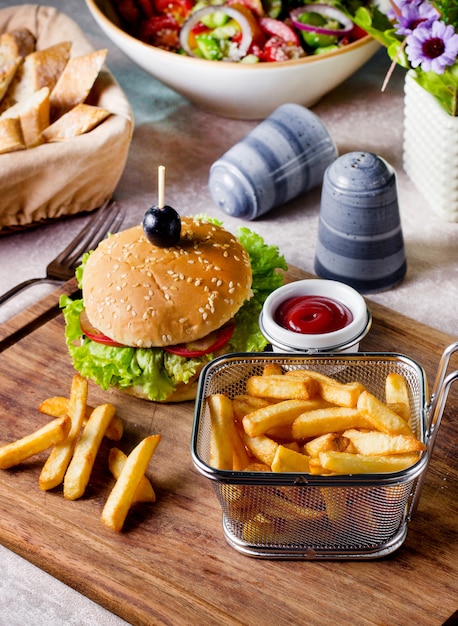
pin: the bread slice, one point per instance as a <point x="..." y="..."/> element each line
<point x="16" y="43"/>
<point x="7" y="73"/>
<point x="41" y="68"/>
<point x="10" y="136"/>
<point x="33" y="115"/>
<point x="76" y="82"/>
<point x="79" y="120"/>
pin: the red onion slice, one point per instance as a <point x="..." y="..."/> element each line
<point x="326" y="11"/>
<point x="196" y="17"/>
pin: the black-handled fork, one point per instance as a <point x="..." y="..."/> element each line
<point x="107" y="219"/>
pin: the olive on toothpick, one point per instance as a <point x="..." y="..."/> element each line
<point x="161" y="223"/>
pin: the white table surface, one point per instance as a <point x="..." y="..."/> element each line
<point x="174" y="133"/>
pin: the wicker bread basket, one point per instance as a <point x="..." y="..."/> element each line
<point x="58" y="179"/>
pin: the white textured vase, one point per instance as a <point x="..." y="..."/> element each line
<point x="431" y="150"/>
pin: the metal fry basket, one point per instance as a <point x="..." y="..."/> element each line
<point x="303" y="516"/>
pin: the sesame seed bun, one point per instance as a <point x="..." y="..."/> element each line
<point x="144" y="296"/>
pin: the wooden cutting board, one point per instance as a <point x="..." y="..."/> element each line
<point x="171" y="564"/>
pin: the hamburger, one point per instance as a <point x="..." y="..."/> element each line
<point x="151" y="317"/>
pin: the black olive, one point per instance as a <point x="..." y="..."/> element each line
<point x="162" y="226"/>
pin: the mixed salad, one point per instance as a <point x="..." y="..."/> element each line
<point x="245" y="31"/>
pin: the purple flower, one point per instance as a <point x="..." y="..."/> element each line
<point x="414" y="14"/>
<point x="432" y="47"/>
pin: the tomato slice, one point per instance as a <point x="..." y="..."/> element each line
<point x="94" y="334"/>
<point x="210" y="343"/>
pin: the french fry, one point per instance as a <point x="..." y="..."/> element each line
<point x="317" y="469"/>
<point x="258" y="529"/>
<point x="222" y="431"/>
<point x="336" y="507"/>
<point x="283" y="432"/>
<point x="53" y="471"/>
<point x="246" y="404"/>
<point x="86" y="449"/>
<point x="381" y="417"/>
<point x="122" y="495"/>
<point x="281" y="387"/>
<point x="262" y="447"/>
<point x="58" y="406"/>
<point x="276" y="506"/>
<point x="397" y="395"/>
<point x="274" y="415"/>
<point x="328" y="441"/>
<point x="287" y="460"/>
<point x="329" y="420"/>
<point x="340" y="394"/>
<point x="240" y="458"/>
<point x="292" y="445"/>
<point x="376" y="443"/>
<point x="144" y="491"/>
<point x="48" y="435"/>
<point x="403" y="410"/>
<point x="346" y="463"/>
<point x="272" y="369"/>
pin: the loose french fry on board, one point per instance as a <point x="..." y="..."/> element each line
<point x="281" y="387"/>
<point x="222" y="431"/>
<point x="123" y="493"/>
<point x="340" y="394"/>
<point x="381" y="417"/>
<point x="376" y="443"/>
<point x="53" y="471"/>
<point x="144" y="491"/>
<point x="80" y="467"/>
<point x="347" y="463"/>
<point x="58" y="406"/>
<point x="329" y="420"/>
<point x="41" y="439"/>
<point x="274" y="415"/>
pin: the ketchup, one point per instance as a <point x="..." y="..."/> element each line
<point x="313" y="315"/>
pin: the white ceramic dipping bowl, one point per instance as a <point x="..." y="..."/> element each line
<point x="238" y="90"/>
<point x="343" y="340"/>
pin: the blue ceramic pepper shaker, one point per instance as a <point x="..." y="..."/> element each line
<point x="282" y="157"/>
<point x="360" y="240"/>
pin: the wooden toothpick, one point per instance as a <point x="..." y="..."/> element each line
<point x="160" y="186"/>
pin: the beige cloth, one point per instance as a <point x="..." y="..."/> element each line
<point x="52" y="180"/>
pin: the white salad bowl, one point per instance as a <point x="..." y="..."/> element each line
<point x="235" y="90"/>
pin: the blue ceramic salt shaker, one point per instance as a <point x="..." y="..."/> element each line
<point x="360" y="239"/>
<point x="282" y="157"/>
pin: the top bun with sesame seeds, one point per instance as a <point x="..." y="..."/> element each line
<point x="144" y="296"/>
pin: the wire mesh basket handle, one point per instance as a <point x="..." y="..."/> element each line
<point x="440" y="392"/>
<point x="435" y="411"/>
